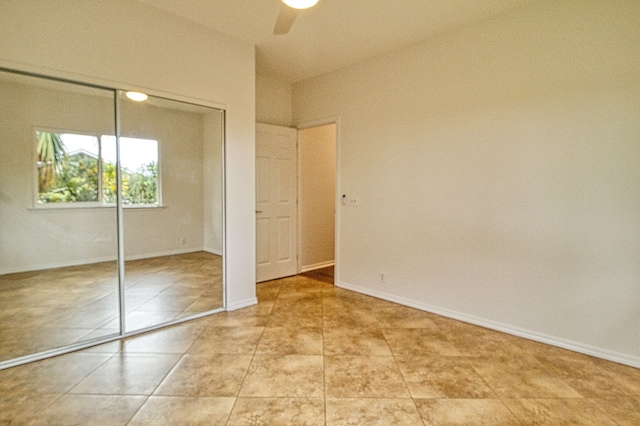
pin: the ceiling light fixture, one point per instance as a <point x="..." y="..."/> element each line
<point x="300" y="4"/>
<point x="137" y="96"/>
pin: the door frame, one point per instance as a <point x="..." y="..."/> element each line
<point x="307" y="125"/>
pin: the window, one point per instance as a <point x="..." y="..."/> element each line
<point x="75" y="168"/>
<point x="139" y="165"/>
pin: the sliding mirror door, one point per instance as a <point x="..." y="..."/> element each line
<point x="171" y="157"/>
<point x="111" y="215"/>
<point x="58" y="223"/>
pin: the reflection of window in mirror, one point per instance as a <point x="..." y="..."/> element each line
<point x="139" y="166"/>
<point x="80" y="170"/>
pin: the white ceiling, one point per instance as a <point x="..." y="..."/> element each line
<point x="334" y="33"/>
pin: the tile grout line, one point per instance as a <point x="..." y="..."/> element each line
<point x="395" y="360"/>
<point x="161" y="381"/>
<point x="253" y="355"/>
<point x="324" y="370"/>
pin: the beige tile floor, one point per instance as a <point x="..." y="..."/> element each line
<point x="43" y="310"/>
<point x="312" y="354"/>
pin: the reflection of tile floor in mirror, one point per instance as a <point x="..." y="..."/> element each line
<point x="312" y="354"/>
<point x="46" y="309"/>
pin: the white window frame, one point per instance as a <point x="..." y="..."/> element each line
<point x="89" y="204"/>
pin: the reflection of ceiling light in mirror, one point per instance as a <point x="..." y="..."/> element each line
<point x="137" y="96"/>
<point x="300" y="4"/>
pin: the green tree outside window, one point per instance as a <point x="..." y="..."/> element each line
<point x="72" y="175"/>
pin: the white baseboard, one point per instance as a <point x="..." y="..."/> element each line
<point x="80" y="262"/>
<point x="317" y="266"/>
<point x="54" y="265"/>
<point x="213" y="251"/>
<point x="242" y="304"/>
<point x="504" y="328"/>
<point x="164" y="253"/>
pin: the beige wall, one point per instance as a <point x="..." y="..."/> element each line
<point x="273" y="101"/>
<point x="129" y="45"/>
<point x="316" y="186"/>
<point x="498" y="173"/>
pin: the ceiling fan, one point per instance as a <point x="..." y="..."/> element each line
<point x="288" y="14"/>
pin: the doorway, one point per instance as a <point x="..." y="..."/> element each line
<point x="317" y="200"/>
<point x="296" y="201"/>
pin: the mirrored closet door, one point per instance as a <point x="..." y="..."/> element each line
<point x="107" y="226"/>
<point x="173" y="216"/>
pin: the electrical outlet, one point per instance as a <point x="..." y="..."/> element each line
<point x="382" y="277"/>
<point x="353" y="201"/>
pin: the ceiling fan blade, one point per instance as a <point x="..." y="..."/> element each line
<point x="285" y="20"/>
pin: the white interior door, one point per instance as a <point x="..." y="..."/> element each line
<point x="276" y="206"/>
